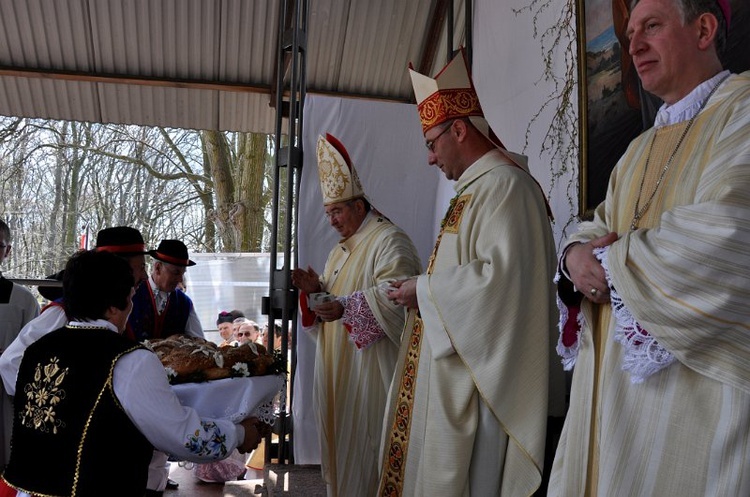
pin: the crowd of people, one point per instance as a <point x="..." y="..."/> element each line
<point x="448" y="379"/>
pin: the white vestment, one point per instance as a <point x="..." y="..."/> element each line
<point x="684" y="274"/>
<point x="469" y="404"/>
<point x="351" y="384"/>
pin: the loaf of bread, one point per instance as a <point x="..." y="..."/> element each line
<point x="192" y="359"/>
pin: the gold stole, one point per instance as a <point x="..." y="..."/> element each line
<point x="392" y="479"/>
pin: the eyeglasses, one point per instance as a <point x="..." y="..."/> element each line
<point x="431" y="143"/>
<point x="337" y="211"/>
<point x="244" y="334"/>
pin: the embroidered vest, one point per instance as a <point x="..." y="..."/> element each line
<point x="65" y="407"/>
<point x="145" y="323"/>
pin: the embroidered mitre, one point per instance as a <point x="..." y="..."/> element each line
<point x="451" y="95"/>
<point x="338" y="178"/>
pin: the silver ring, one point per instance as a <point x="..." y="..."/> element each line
<point x="594" y="291"/>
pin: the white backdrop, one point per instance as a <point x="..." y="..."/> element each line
<point x="386" y="145"/>
<point x="507" y="71"/>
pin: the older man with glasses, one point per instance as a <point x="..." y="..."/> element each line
<point x="357" y="328"/>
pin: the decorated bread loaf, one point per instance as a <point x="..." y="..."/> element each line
<point x="192" y="359"/>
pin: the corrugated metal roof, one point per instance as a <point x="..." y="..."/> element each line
<point x="206" y="64"/>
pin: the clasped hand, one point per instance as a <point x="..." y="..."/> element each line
<point x="585" y="270"/>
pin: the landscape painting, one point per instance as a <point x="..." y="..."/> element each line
<point x="610" y="120"/>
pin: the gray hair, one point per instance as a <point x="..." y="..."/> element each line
<point x="691" y="9"/>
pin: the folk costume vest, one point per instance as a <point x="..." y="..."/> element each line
<point x="65" y="403"/>
<point x="145" y="323"/>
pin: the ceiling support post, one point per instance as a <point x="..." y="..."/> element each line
<point x="281" y="305"/>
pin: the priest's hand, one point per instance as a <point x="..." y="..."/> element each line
<point x="404" y="292"/>
<point x="585" y="270"/>
<point x="307" y="280"/>
<point x="329" y="311"/>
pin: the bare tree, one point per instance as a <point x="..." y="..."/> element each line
<point x="64" y="180"/>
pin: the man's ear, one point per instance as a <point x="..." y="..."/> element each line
<point x="708" y="26"/>
<point x="459" y="129"/>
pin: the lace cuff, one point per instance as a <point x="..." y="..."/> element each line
<point x="359" y="321"/>
<point x="570" y="326"/>
<point x="642" y="354"/>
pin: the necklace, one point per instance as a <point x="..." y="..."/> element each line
<point x="638" y="211"/>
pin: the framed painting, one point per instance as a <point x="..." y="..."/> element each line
<point x="614" y="108"/>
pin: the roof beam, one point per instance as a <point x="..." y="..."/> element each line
<point x="176" y="83"/>
<point x="117" y="79"/>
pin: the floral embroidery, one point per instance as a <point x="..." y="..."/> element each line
<point x="448" y="103"/>
<point x="208" y="441"/>
<point x="360" y="321"/>
<point x="42" y="396"/>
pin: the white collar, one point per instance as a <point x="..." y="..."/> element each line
<point x="154" y="288"/>
<point x="688" y="106"/>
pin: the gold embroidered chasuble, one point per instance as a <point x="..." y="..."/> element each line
<point x="469" y="401"/>
<point x="351" y="385"/>
<point x="686" y="279"/>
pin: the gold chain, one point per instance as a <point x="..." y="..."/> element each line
<point x="638" y="212"/>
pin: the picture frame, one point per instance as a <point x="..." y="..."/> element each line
<point x="613" y="108"/>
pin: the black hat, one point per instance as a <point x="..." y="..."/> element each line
<point x="172" y="252"/>
<point x="52" y="292"/>
<point x="229" y="316"/>
<point x="121" y="240"/>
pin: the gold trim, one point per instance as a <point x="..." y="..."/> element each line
<point x="453" y="222"/>
<point x="394" y="458"/>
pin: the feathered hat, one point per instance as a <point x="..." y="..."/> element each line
<point x="451" y="95"/>
<point x="338" y="178"/>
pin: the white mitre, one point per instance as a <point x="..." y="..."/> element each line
<point x="338" y="178"/>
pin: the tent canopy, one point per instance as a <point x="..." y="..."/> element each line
<point x="206" y="64"/>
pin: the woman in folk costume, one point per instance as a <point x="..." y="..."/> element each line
<point x="358" y="330"/>
<point x="469" y="404"/>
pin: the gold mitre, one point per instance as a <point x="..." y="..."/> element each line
<point x="338" y="179"/>
<point x="451" y="95"/>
